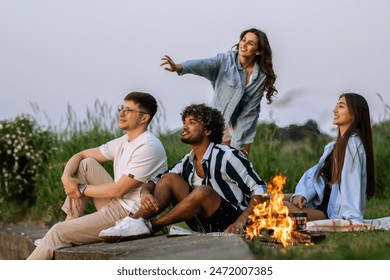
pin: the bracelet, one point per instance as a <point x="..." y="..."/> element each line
<point x="82" y="188"/>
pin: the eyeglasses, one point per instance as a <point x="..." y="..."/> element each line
<point x="127" y="110"/>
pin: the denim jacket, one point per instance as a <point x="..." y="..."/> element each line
<point x="347" y="199"/>
<point x="238" y="102"/>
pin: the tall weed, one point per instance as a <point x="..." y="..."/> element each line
<point x="271" y="154"/>
<point x="381" y="140"/>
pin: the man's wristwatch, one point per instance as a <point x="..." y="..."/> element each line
<point x="82" y="188"/>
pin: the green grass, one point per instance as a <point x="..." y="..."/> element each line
<point x="371" y="245"/>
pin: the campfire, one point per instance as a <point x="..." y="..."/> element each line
<point x="271" y="222"/>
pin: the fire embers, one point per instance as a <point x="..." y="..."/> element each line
<point x="272" y="217"/>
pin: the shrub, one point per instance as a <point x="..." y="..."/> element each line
<point x="24" y="150"/>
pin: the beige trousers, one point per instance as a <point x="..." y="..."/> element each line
<point x="83" y="229"/>
<point x="91" y="173"/>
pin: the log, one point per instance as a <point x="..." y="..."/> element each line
<point x="300" y="237"/>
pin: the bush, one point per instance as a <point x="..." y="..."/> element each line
<point x="24" y="151"/>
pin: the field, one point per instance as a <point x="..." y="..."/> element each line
<point x="288" y="151"/>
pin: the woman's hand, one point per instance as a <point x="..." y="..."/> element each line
<point x="299" y="201"/>
<point x="171" y="66"/>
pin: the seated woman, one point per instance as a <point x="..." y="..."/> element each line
<point x="337" y="187"/>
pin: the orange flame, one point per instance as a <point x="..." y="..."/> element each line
<point x="272" y="215"/>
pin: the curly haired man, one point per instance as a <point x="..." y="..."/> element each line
<point x="212" y="188"/>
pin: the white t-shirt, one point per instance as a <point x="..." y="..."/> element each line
<point x="142" y="158"/>
<point x="196" y="180"/>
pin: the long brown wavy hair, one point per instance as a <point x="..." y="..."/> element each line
<point x="358" y="108"/>
<point x="264" y="60"/>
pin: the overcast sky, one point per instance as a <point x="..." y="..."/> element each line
<point x="55" y="53"/>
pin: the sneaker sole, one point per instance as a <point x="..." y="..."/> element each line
<point x="118" y="238"/>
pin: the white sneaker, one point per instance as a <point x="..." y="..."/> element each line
<point x="127" y="229"/>
<point x="37" y="241"/>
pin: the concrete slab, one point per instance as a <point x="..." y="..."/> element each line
<point x="17" y="240"/>
<point x="16" y="243"/>
<point x="161" y="247"/>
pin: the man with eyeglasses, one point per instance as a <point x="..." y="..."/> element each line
<point x="137" y="156"/>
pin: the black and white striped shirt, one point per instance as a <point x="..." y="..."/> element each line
<point x="227" y="171"/>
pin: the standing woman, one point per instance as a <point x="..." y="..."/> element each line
<point x="239" y="78"/>
<point x="337" y="187"/>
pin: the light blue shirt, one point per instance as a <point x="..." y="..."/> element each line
<point x="238" y="102"/>
<point x="348" y="199"/>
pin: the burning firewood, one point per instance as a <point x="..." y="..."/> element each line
<point x="271" y="223"/>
